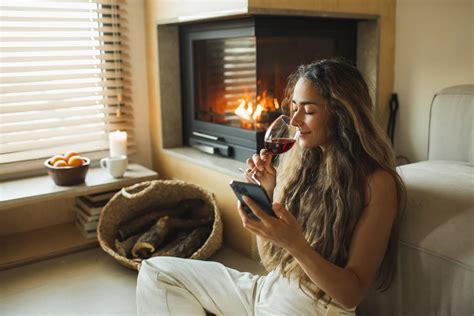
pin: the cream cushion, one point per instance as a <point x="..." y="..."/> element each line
<point x="451" y="118"/>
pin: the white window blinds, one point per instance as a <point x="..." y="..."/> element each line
<point x="64" y="77"/>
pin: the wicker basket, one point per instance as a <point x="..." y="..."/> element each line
<point x="129" y="201"/>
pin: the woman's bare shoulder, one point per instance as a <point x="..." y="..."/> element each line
<point x="381" y="176"/>
<point x="381" y="183"/>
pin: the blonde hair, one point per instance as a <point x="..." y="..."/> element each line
<point x="326" y="191"/>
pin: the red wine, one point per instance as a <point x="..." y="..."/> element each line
<point x="279" y="145"/>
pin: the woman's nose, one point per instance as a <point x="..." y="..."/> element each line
<point x="294" y="120"/>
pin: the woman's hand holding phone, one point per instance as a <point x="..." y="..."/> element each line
<point x="282" y="229"/>
<point x="264" y="172"/>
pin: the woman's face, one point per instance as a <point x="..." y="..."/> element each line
<point x="310" y="115"/>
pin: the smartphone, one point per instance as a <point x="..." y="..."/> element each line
<point x="256" y="193"/>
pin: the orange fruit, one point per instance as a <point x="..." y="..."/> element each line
<point x="60" y="163"/>
<point x="56" y="158"/>
<point x="75" y="161"/>
<point x="69" y="154"/>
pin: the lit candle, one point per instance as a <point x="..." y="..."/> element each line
<point x="118" y="143"/>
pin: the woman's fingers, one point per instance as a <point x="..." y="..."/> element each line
<point x="259" y="168"/>
<point x="263" y="163"/>
<point x="248" y="222"/>
<point x="264" y="217"/>
<point x="250" y="163"/>
<point x="280" y="212"/>
<point x="266" y="157"/>
<point x="258" y="162"/>
<point x="248" y="178"/>
<point x="251" y="170"/>
<point x="241" y="211"/>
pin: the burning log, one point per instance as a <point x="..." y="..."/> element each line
<point x="145" y="221"/>
<point x="154" y="237"/>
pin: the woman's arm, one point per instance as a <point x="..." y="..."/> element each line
<point x="348" y="285"/>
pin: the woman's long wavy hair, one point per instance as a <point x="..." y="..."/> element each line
<point x="326" y="192"/>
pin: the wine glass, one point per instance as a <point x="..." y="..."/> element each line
<point x="280" y="137"/>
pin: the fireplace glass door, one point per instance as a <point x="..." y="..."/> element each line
<point x="226" y="81"/>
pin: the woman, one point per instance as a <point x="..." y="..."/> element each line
<point x="336" y="221"/>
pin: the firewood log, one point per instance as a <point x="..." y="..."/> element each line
<point x="152" y="239"/>
<point x="170" y="245"/>
<point x="178" y="223"/>
<point x="143" y="222"/>
<point x="146" y="244"/>
<point x="187" y="246"/>
<point x="124" y="248"/>
<point x="138" y="224"/>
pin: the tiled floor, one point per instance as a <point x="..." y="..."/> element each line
<point x="84" y="283"/>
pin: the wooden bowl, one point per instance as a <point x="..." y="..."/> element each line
<point x="66" y="176"/>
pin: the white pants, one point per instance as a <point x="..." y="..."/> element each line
<point x="174" y="286"/>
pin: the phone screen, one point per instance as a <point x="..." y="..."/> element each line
<point x="256" y="193"/>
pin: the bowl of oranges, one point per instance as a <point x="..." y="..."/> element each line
<point x="68" y="169"/>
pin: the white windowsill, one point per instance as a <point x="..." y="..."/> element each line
<point x="19" y="192"/>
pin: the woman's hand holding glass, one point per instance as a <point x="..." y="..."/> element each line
<point x="260" y="170"/>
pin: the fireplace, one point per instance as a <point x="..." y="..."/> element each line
<point x="234" y="74"/>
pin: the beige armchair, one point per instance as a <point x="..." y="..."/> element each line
<point x="436" y="255"/>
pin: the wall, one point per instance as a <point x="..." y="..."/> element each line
<point x="434" y="49"/>
<point x="137" y="42"/>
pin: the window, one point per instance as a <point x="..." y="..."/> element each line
<point x="64" y="79"/>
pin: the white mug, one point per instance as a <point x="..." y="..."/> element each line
<point x="116" y="166"/>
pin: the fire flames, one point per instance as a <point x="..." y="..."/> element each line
<point x="247" y="111"/>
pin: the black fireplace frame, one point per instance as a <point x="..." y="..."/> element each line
<point x="232" y="142"/>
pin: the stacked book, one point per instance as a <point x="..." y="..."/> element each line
<point x="88" y="209"/>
